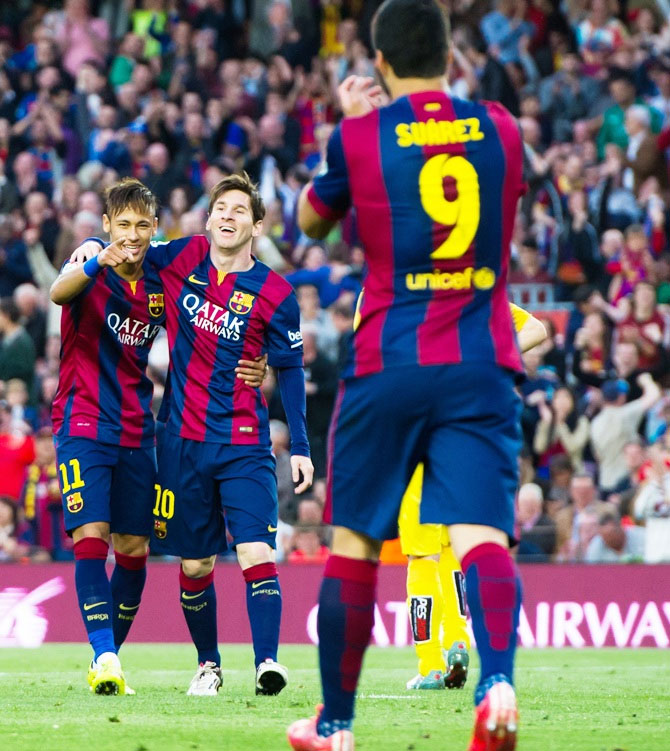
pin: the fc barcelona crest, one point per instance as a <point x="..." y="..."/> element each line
<point x="74" y="503"/>
<point x="241" y="302"/>
<point x="160" y="529"/>
<point x="156" y="304"/>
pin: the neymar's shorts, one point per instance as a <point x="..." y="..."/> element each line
<point x="461" y="421"/>
<point x="102" y="482"/>
<point x="206" y="487"/>
<point x="415" y="538"/>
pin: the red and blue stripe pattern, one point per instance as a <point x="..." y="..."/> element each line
<point x="213" y="320"/>
<point x="106" y="333"/>
<point x="434" y="181"/>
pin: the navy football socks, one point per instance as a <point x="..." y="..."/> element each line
<point x="94" y="593"/>
<point x="198" y="601"/>
<point x="493" y="590"/>
<point x="344" y="624"/>
<point x="264" y="609"/>
<point x="127" y="583"/>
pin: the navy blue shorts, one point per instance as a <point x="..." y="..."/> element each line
<point x="101" y="482"/>
<point x="461" y="421"/>
<point x="206" y="487"/>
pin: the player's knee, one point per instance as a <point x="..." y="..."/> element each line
<point x="465" y="537"/>
<point x="254" y="553"/>
<point x="92" y="529"/>
<point x="130" y="544"/>
<point x="197" y="568"/>
<point x="351" y="544"/>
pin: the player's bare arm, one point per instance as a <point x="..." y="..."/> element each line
<point x="76" y="275"/>
<point x="311" y="223"/>
<point x="531" y="334"/>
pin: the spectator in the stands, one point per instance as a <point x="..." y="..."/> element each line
<point x="17" y="451"/>
<point x="308" y="546"/>
<point x="529" y="269"/>
<point x="32" y="316"/>
<point x="645" y="326"/>
<point x="10" y="549"/>
<point x="320" y="386"/>
<point x="537" y="531"/>
<point x="592" y="348"/>
<point x="288" y="501"/>
<point x="644" y="158"/>
<point x="160" y="177"/>
<point x="313" y="316"/>
<point x="616" y="425"/>
<point x="17" y="351"/>
<point x="615" y="543"/>
<point x="504" y="28"/>
<point x="560" y="430"/>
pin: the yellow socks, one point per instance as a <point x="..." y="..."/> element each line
<point x="424" y="600"/>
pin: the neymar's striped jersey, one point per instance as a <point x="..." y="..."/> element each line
<point x="106" y="334"/>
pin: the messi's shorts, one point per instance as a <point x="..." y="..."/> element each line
<point x="205" y="487"/>
<point x="101" y="482"/>
<point x="415" y="538"/>
<point x="461" y="421"/>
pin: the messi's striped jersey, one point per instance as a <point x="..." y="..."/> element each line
<point x="434" y="182"/>
<point x="213" y="320"/>
<point x="106" y="334"/>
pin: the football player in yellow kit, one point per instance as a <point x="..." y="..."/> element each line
<point x="435" y="588"/>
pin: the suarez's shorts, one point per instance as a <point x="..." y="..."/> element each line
<point x="461" y="421"/>
<point x="415" y="538"/>
<point x="101" y="482"/>
<point x="206" y="487"/>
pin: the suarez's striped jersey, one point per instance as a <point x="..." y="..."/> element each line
<point x="434" y="181"/>
<point x="106" y="334"/>
<point x="213" y="320"/>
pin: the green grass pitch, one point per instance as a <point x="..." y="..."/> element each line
<point x="571" y="700"/>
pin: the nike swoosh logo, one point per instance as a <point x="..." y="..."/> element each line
<point x="95" y="605"/>
<point x="193" y="279"/>
<point x="191" y="597"/>
<point x="128" y="607"/>
<point x="255" y="585"/>
<point x="272" y="529"/>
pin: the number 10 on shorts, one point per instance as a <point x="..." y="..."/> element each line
<point x="164" y="506"/>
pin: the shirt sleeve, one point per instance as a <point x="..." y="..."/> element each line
<point x="329" y="193"/>
<point x="162" y="254"/>
<point x="632" y="413"/>
<point x="292" y="389"/>
<point x="283" y="337"/>
<point x="519" y="316"/>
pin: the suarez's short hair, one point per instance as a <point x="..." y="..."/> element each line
<point x="413" y="36"/>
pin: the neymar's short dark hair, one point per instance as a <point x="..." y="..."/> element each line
<point x="130" y="193"/>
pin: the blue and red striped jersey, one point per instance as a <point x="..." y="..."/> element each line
<point x="434" y="181"/>
<point x="213" y="320"/>
<point x="106" y="334"/>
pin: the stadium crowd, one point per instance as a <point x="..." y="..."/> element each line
<point x="180" y="94"/>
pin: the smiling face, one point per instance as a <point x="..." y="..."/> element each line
<point x="138" y="229"/>
<point x="231" y="221"/>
